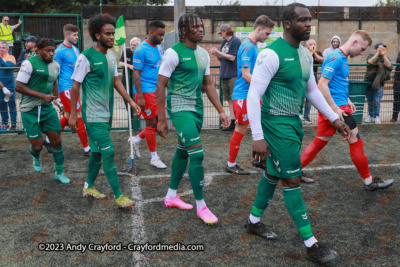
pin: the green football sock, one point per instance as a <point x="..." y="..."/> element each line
<point x="34" y="153"/>
<point x="111" y="171"/>
<point x="196" y="171"/>
<point x="94" y="168"/>
<point x="265" y="193"/>
<point x="297" y="209"/>
<point x="178" y="167"/>
<point x="58" y="156"/>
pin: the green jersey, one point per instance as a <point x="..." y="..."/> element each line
<point x="186" y="68"/>
<point x="95" y="71"/>
<point x="287" y="87"/>
<point x="38" y="76"/>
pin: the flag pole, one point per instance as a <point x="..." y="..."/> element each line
<point x="132" y="156"/>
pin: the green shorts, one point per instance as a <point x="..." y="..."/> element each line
<point x="40" y="119"/>
<point x="188" y="125"/>
<point x="284" y="136"/>
<point x="99" y="136"/>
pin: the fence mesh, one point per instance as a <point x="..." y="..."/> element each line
<point x="211" y="117"/>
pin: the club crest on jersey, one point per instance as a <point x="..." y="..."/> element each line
<point x="245" y="117"/>
<point x="151" y="54"/>
<point x="148" y="112"/>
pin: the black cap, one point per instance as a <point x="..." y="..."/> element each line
<point x="30" y="38"/>
<point x="378" y="45"/>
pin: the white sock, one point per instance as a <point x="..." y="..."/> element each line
<point x="310" y="242"/>
<point x="254" y="219"/>
<point x="200" y="203"/>
<point x="171" y="193"/>
<point x="137" y="139"/>
<point x="154" y="155"/>
<point x="87" y="148"/>
<point x="47" y="139"/>
<point x="230" y="165"/>
<point x="368" y="180"/>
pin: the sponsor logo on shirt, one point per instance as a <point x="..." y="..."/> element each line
<point x="137" y="61"/>
<point x="246" y="58"/>
<point x="328" y="69"/>
<point x="194" y="139"/>
<point x="186" y="58"/>
<point x="106" y="148"/>
<point x="100" y="63"/>
<point x="289" y="59"/>
<point x="40" y="70"/>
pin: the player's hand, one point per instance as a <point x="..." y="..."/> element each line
<point x="225" y="120"/>
<point x="343" y="129"/>
<point x="136" y="108"/>
<point x="141" y="102"/>
<point x="60" y="107"/>
<point x="260" y="150"/>
<point x="48" y="98"/>
<point x="340" y="113"/>
<point x="352" y="106"/>
<point x="162" y="127"/>
<point x="73" y="121"/>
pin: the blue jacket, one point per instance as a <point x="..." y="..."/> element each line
<point x="7" y="76"/>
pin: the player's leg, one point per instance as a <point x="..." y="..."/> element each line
<point x="377" y="103"/>
<point x="100" y="133"/>
<point x="360" y="159"/>
<point x="307" y="109"/>
<point x="50" y="125"/>
<point x="34" y="134"/>
<point x="94" y="167"/>
<point x="369" y="95"/>
<point x="81" y="131"/>
<point x="13" y="110"/>
<point x="240" y="111"/>
<point x="151" y="140"/>
<point x="178" y="168"/>
<point x="325" y="131"/>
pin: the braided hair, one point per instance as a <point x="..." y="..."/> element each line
<point x="184" y="24"/>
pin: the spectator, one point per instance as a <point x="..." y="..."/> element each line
<point x="135" y="41"/>
<point x="377" y="74"/>
<point x="396" y="92"/>
<point x="228" y="70"/>
<point x="335" y="43"/>
<point x="7" y="78"/>
<point x="311" y="45"/>
<point x="6" y="32"/>
<point x="30" y="45"/>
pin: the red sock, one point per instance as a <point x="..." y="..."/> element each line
<point x="235" y="146"/>
<point x="81" y="131"/>
<point x="151" y="138"/>
<point x="312" y="150"/>
<point x="359" y="158"/>
<point x="63" y="122"/>
<point x="142" y="134"/>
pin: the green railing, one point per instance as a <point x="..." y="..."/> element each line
<point x="211" y="117"/>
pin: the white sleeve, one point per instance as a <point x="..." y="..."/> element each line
<point x="116" y="70"/>
<point x="169" y="62"/>
<point x="266" y="66"/>
<point x="316" y="98"/>
<point x="208" y="65"/>
<point x="82" y="67"/>
<point x="25" y="72"/>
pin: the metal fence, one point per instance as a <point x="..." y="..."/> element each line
<point x="211" y="117"/>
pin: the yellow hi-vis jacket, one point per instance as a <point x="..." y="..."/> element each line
<point x="6" y="33"/>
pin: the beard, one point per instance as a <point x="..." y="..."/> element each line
<point x="104" y="44"/>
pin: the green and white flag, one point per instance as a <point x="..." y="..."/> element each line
<point x="120" y="35"/>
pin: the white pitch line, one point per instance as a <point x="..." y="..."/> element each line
<point x="138" y="230"/>
<point x="349" y="167"/>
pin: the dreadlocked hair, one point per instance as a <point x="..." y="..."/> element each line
<point x="184" y="24"/>
<point x="44" y="42"/>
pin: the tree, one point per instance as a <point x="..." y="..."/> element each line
<point x="383" y="3"/>
<point x="66" y="7"/>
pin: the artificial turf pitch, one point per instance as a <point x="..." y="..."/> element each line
<point x="35" y="209"/>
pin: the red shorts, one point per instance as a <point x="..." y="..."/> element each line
<point x="65" y="98"/>
<point x="151" y="106"/>
<point x="240" y="111"/>
<point x="325" y="127"/>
